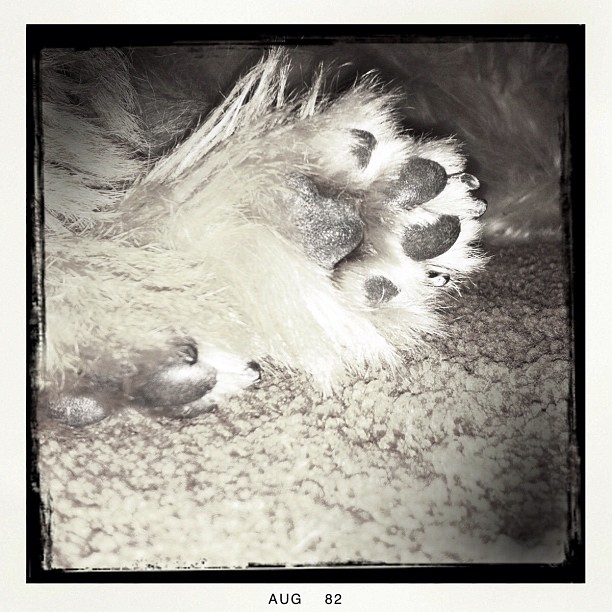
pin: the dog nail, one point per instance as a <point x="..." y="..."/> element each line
<point x="480" y="207"/>
<point x="469" y="180"/>
<point x="253" y="365"/>
<point x="438" y="279"/>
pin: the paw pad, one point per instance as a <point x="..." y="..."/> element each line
<point x="420" y="180"/>
<point x="76" y="410"/>
<point x="421" y="242"/>
<point x="328" y="229"/>
<point x="364" y="144"/>
<point x="180" y="380"/>
<point x="379" y="289"/>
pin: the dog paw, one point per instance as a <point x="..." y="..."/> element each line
<point x="189" y="381"/>
<point x="420" y="224"/>
<point x="180" y="383"/>
<point x="305" y="228"/>
<point x="399" y="218"/>
<point x="419" y="180"/>
<point x="382" y="204"/>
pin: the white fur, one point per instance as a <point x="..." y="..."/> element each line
<point x="195" y="247"/>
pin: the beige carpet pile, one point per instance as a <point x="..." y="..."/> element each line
<point x="467" y="459"/>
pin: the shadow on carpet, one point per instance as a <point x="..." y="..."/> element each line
<point x="466" y="459"/>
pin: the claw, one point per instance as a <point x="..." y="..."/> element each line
<point x="253" y="365"/>
<point x="480" y="207"/>
<point x="469" y="180"/>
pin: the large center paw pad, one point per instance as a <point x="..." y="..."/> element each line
<point x="327" y="229"/>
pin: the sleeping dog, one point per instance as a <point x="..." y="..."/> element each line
<point x="192" y="245"/>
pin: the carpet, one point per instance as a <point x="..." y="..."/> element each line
<point x="466" y="458"/>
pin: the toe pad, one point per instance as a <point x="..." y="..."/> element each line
<point x="419" y="181"/>
<point x="422" y="242"/>
<point x="76" y="410"/>
<point x="364" y="144"/>
<point x="379" y="289"/>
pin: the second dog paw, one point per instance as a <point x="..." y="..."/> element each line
<point x="419" y="230"/>
<point x="189" y="381"/>
<point x="178" y="383"/>
<point x="176" y="379"/>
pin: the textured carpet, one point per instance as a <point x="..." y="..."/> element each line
<point x="466" y="459"/>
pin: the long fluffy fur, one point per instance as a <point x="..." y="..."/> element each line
<point x="140" y="251"/>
